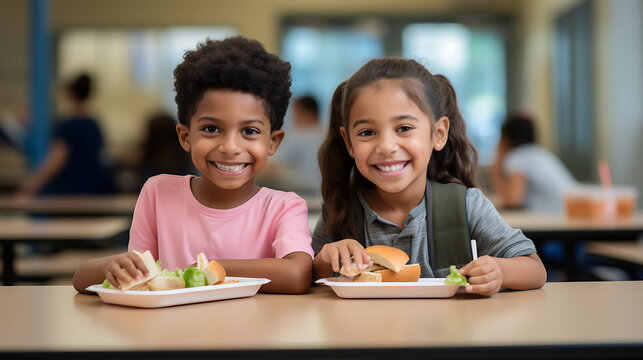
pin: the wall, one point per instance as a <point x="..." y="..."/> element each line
<point x="619" y="92"/>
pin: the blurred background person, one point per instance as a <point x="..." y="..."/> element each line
<point x="526" y="175"/>
<point x="294" y="167"/>
<point x="75" y="163"/>
<point x="161" y="151"/>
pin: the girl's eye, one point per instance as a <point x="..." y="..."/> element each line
<point x="366" y="133"/>
<point x="211" y="129"/>
<point x="250" y="131"/>
<point x="404" y="128"/>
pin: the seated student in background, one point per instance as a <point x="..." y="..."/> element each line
<point x="398" y="170"/>
<point x="232" y="96"/>
<point x="75" y="163"/>
<point x="295" y="166"/>
<point x="526" y="175"/>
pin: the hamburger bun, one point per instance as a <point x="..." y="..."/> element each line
<point x="388" y="256"/>
<point x="409" y="273"/>
<point x="368" y="276"/>
<point x="152" y="268"/>
<point x="350" y="271"/>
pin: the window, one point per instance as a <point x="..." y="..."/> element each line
<point x="473" y="57"/>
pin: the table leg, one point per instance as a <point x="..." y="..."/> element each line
<point x="8" y="256"/>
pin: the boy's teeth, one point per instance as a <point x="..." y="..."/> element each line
<point x="396" y="167"/>
<point x="230" y="167"/>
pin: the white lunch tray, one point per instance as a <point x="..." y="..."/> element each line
<point x="155" y="299"/>
<point x="424" y="288"/>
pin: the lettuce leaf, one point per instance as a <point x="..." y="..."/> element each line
<point x="456" y="278"/>
<point x="108" y="285"/>
<point x="193" y="277"/>
<point x="166" y="272"/>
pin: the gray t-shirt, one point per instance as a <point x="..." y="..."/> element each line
<point x="547" y="177"/>
<point x="493" y="236"/>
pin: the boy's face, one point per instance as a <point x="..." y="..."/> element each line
<point x="229" y="137"/>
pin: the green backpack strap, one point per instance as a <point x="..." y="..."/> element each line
<point x="447" y="227"/>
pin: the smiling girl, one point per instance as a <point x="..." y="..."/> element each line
<point x="398" y="170"/>
<point x="232" y="97"/>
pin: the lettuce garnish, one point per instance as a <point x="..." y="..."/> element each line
<point x="194" y="277"/>
<point x="108" y="285"/>
<point x="456" y="278"/>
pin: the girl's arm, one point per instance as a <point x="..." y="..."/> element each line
<point x="337" y="254"/>
<point x="291" y="274"/>
<point x="522" y="272"/>
<point x="487" y="274"/>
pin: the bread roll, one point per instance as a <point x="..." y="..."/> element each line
<point x="166" y="283"/>
<point x="409" y="273"/>
<point x="214" y="272"/>
<point x="388" y="256"/>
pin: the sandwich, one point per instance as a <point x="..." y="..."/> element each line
<point x="205" y="273"/>
<point x="152" y="268"/>
<point x="388" y="264"/>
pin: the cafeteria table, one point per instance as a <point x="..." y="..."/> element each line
<point x="71" y="205"/>
<point x="22" y="229"/>
<point x="587" y="320"/>
<point x="541" y="227"/>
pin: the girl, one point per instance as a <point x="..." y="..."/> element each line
<point x="232" y="96"/>
<point x="376" y="163"/>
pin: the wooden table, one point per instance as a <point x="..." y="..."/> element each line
<point x="99" y="205"/>
<point x="541" y="227"/>
<point x="14" y="230"/>
<point x="625" y="251"/>
<point x="582" y="320"/>
<point x="546" y="226"/>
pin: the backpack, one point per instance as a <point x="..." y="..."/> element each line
<point x="446" y="224"/>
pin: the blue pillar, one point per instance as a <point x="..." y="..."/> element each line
<point x="38" y="135"/>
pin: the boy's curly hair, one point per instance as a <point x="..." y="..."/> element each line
<point x="238" y="64"/>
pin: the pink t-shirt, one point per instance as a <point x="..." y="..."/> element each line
<point x="171" y="223"/>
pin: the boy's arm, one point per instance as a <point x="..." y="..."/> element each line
<point x="291" y="274"/>
<point x="91" y="272"/>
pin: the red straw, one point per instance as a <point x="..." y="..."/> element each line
<point x="604" y="173"/>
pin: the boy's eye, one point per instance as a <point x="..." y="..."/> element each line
<point x="250" y="131"/>
<point x="211" y="129"/>
<point x="366" y="133"/>
<point x="404" y="128"/>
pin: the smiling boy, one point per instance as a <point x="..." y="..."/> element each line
<point x="232" y="96"/>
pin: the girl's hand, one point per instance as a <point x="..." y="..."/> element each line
<point x="125" y="268"/>
<point x="485" y="276"/>
<point x="348" y="250"/>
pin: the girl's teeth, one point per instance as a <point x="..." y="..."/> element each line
<point x="230" y="167"/>
<point x="397" y="167"/>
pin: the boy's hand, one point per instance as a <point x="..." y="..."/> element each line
<point x="485" y="276"/>
<point x="348" y="251"/>
<point x="125" y="268"/>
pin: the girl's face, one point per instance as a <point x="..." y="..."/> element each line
<point x="391" y="138"/>
<point x="229" y="138"/>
